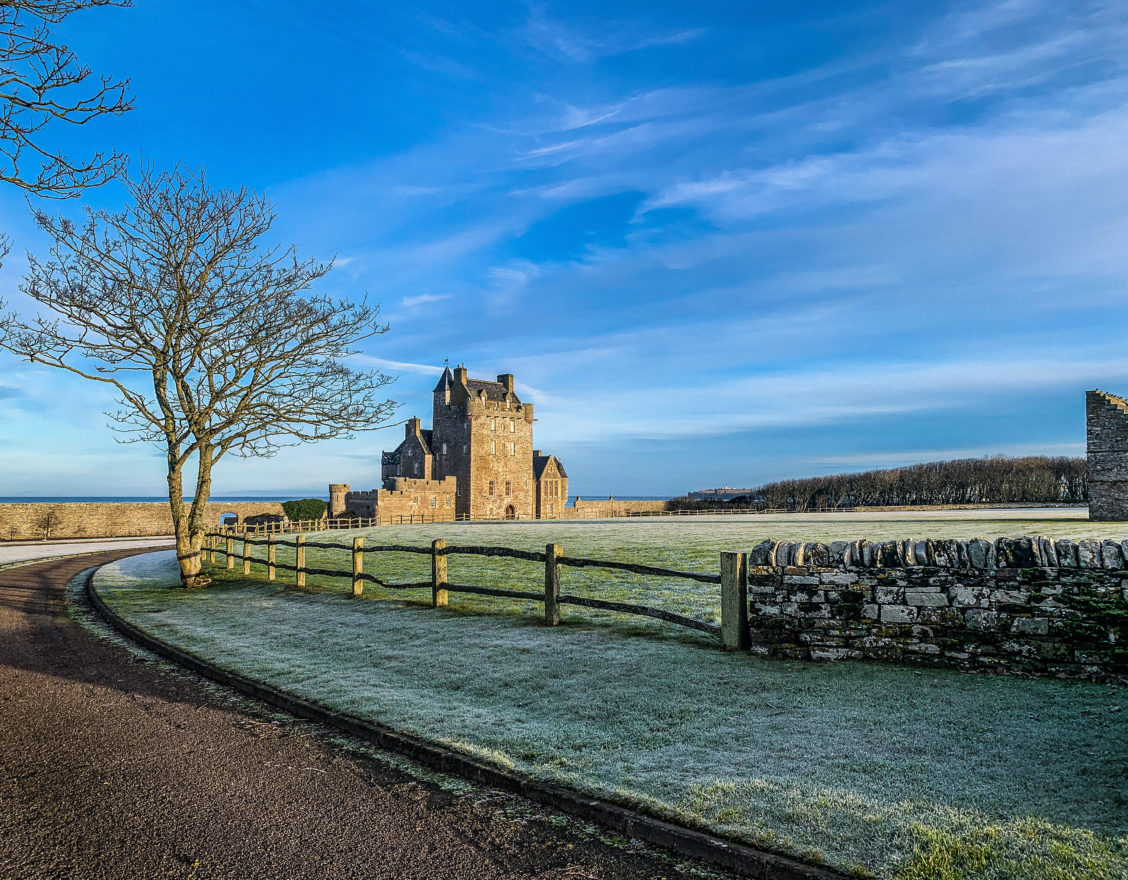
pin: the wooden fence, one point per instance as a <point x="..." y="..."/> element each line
<point x="733" y="578"/>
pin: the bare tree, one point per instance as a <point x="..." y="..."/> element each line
<point x="205" y="335"/>
<point x="42" y="82"/>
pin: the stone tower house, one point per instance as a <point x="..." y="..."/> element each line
<point x="1106" y="429"/>
<point x="479" y="448"/>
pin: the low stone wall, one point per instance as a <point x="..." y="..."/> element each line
<point x="598" y="509"/>
<point x="22" y="522"/>
<point x="1028" y="605"/>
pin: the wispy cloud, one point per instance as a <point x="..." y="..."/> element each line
<point x="409" y="302"/>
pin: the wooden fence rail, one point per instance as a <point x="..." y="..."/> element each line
<point x="733" y="578"/>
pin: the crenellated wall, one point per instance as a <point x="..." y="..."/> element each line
<point x="1030" y="605"/>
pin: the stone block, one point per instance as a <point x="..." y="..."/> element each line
<point x="826" y="653"/>
<point x="1066" y="553"/>
<point x="945" y="553"/>
<point x="837" y="552"/>
<point x="761" y="554"/>
<point x="979" y="553"/>
<point x="1034" y="626"/>
<point x="1111" y="556"/>
<point x="870" y="612"/>
<point x="888" y="594"/>
<point x="1015" y="553"/>
<point x="1089" y="554"/>
<point x="838" y="578"/>
<point x="898" y="614"/>
<point x="969" y="596"/>
<point x="981" y="619"/>
<point x="812" y="553"/>
<point x="923" y="597"/>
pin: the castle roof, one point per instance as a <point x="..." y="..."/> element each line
<point x="494" y="390"/>
<point x="394" y="456"/>
<point x="445" y="380"/>
<point x="540" y="462"/>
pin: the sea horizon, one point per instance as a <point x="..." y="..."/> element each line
<point x="141" y="499"/>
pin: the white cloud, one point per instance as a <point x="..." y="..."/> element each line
<point x="409" y="302"/>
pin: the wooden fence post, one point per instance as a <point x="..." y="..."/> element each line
<point x="552" y="554"/>
<point x="230" y="552"/>
<point x="211" y="547"/>
<point x="299" y="552"/>
<point x="439" y="596"/>
<point x="734" y="602"/>
<point x="246" y="555"/>
<point x="271" y="557"/>
<point x="358" y="565"/>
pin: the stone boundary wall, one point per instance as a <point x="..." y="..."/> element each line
<point x="120" y="519"/>
<point x="1030" y="605"/>
<point x="598" y="509"/>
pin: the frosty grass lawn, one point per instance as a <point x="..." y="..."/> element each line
<point x="874" y="769"/>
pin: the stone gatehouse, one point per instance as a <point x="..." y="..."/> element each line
<point x="477" y="461"/>
<point x="1106" y="430"/>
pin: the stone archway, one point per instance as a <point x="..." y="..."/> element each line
<point x="229" y="519"/>
<point x="510" y="512"/>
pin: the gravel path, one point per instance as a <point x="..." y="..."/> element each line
<point x="111" y="767"/>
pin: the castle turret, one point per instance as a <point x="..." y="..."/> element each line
<point x="337" y="503"/>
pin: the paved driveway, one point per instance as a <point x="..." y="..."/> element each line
<point x="49" y="549"/>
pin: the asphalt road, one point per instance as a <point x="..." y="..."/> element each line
<point x="112" y="766"/>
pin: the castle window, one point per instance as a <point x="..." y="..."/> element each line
<point x="463" y="448"/>
<point x="512" y="448"/>
<point x="493" y="424"/>
<point x="493" y="447"/>
<point x="508" y="487"/>
<point x="444" y="449"/>
<point x="511" y="424"/>
<point x="434" y="501"/>
<point x="551" y="509"/>
<point x="417" y="469"/>
<point x="491" y="488"/>
<point x="448" y="501"/>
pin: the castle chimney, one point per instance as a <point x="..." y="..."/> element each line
<point x="460" y="374"/>
<point x="411" y="428"/>
<point x="506" y="379"/>
<point x="536" y="453"/>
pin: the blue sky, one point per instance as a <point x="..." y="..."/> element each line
<point x="716" y="242"/>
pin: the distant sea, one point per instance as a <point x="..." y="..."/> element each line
<point x="79" y="499"/>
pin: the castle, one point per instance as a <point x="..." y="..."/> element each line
<point x="477" y="461"/>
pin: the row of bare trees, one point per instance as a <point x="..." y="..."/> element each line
<point x="994" y="480"/>
<point x="206" y="330"/>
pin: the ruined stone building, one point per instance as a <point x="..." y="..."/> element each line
<point x="477" y="461"/>
<point x="1106" y="429"/>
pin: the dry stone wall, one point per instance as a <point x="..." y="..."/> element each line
<point x="610" y="507"/>
<point x="1030" y="605"/>
<point x="22" y="522"/>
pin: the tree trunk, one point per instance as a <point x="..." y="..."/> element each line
<point x="188" y="541"/>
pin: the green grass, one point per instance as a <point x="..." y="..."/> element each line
<point x="878" y="770"/>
